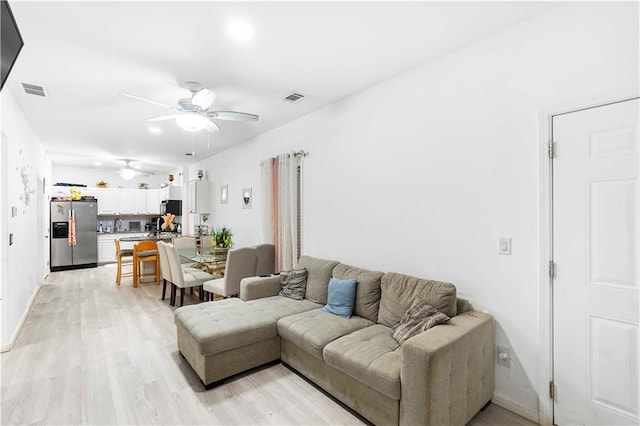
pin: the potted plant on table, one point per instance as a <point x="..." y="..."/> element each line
<point x="222" y="240"/>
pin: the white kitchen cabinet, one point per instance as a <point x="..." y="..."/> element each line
<point x="198" y="196"/>
<point x="140" y="201"/>
<point x="107" y="201"/>
<point x="171" y="193"/>
<point x="107" y="248"/>
<point x="153" y="201"/>
<point x="127" y="201"/>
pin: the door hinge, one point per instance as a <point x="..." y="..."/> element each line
<point x="551" y="149"/>
<point x="552" y="269"/>
<point x="552" y="390"/>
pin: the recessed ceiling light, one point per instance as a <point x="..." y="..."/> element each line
<point x="241" y="30"/>
<point x="98" y="163"/>
<point x="155" y="130"/>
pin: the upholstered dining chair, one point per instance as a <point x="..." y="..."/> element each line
<point x="181" y="278"/>
<point x="265" y="259"/>
<point x="145" y="251"/>
<point x="165" y="268"/>
<point x="185" y="243"/>
<point x="241" y="263"/>
<point x="125" y="258"/>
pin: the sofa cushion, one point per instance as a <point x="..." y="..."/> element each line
<point x="231" y="323"/>
<point x="367" y="292"/>
<point x="294" y="283"/>
<point x="312" y="330"/>
<point x="369" y="355"/>
<point x="340" y="297"/>
<point x="319" y="273"/>
<point x="399" y="292"/>
<point x="420" y="317"/>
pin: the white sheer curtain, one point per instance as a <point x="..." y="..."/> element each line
<point x="266" y="177"/>
<point x="280" y="211"/>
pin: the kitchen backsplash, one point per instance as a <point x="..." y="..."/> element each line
<point x="133" y="223"/>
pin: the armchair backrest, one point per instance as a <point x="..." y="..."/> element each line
<point x="265" y="259"/>
<point x="165" y="268"/>
<point x="241" y="263"/>
<point x="174" y="264"/>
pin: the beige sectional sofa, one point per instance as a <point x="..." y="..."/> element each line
<point x="442" y="376"/>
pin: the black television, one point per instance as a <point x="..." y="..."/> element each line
<point x="10" y="41"/>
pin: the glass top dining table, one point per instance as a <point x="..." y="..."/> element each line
<point x="193" y="255"/>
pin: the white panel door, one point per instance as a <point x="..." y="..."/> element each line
<point x="596" y="199"/>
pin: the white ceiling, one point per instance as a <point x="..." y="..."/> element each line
<point x="86" y="53"/>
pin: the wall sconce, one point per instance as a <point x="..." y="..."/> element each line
<point x="246" y="198"/>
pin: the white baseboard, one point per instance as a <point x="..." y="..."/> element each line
<point x="515" y="407"/>
<point x="16" y="332"/>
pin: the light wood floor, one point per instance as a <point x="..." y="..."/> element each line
<point x="91" y="352"/>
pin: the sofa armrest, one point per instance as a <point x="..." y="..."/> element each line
<point x="258" y="287"/>
<point x="448" y="372"/>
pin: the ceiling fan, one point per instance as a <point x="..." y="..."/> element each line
<point x="193" y="113"/>
<point x="128" y="171"/>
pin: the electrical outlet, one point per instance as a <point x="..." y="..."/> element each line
<point x="504" y="356"/>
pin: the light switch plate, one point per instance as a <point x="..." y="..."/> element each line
<point x="504" y="245"/>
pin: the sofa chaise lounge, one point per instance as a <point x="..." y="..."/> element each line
<point x="442" y="376"/>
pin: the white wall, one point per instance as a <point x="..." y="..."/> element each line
<point x="24" y="262"/>
<point x="422" y="173"/>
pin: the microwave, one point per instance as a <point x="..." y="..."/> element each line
<point x="171" y="206"/>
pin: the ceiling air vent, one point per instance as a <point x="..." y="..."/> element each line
<point x="293" y="97"/>
<point x="32" y="89"/>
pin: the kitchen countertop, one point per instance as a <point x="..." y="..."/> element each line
<point x="161" y="236"/>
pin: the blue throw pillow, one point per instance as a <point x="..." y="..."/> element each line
<point x="342" y="296"/>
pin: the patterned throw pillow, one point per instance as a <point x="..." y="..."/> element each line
<point x="293" y="283"/>
<point x="420" y="317"/>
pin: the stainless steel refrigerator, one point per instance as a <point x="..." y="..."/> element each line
<point x="79" y="249"/>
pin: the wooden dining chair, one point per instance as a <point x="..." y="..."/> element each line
<point x="145" y="251"/>
<point x="125" y="258"/>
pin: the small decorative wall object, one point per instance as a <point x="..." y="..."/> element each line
<point x="170" y="178"/>
<point x="28" y="189"/>
<point x="246" y="198"/>
<point x="224" y="194"/>
<point x="200" y="174"/>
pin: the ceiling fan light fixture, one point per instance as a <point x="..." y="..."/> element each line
<point x="203" y="98"/>
<point x="127" y="174"/>
<point x="191" y="122"/>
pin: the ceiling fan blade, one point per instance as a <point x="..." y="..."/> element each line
<point x="233" y="116"/>
<point x="164" y="117"/>
<point x="149" y="101"/>
<point x="212" y="127"/>
<point x="203" y="98"/>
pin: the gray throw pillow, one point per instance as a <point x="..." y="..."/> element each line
<point x="420" y="317"/>
<point x="293" y="283"/>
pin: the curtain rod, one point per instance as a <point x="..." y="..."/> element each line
<point x="300" y="153"/>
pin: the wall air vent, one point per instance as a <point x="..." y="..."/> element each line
<point x="293" y="97"/>
<point x="32" y="89"/>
